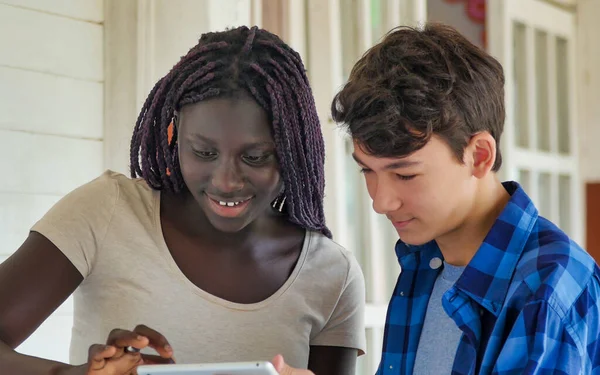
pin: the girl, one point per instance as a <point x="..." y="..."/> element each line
<point x="218" y="241"/>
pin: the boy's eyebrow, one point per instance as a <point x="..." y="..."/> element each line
<point x="393" y="165"/>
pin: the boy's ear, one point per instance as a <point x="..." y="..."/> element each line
<point x="480" y="154"/>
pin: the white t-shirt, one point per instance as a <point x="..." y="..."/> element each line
<point x="110" y="230"/>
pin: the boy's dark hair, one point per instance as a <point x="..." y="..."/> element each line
<point x="416" y="83"/>
<point x="224" y="64"/>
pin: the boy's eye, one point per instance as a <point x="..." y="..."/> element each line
<point x="406" y="178"/>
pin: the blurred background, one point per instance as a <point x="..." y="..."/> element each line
<point x="74" y="74"/>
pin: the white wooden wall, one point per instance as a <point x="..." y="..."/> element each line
<point x="51" y="123"/>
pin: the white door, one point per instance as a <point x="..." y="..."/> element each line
<point x="535" y="42"/>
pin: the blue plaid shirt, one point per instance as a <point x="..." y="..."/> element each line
<point x="527" y="303"/>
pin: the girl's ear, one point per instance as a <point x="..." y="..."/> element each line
<point x="176" y="119"/>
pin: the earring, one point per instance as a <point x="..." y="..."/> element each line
<point x="278" y="203"/>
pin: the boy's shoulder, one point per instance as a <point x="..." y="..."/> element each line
<point x="554" y="268"/>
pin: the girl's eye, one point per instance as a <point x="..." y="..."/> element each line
<point x="206" y="154"/>
<point x="256" y="159"/>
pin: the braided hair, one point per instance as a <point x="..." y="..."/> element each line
<point x="223" y="64"/>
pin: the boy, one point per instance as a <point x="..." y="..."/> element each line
<point x="487" y="285"/>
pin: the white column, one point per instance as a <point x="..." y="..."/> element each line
<point x="121" y="80"/>
<point x="588" y="92"/>
<point x="588" y="56"/>
<point x="325" y="73"/>
<point x="414" y="12"/>
<point x="295" y="35"/>
<point x="230" y="13"/>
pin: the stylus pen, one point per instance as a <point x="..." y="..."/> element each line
<point x="131" y="349"/>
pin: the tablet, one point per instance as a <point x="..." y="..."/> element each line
<point x="234" y="368"/>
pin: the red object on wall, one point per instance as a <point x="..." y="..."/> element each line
<point x="592" y="242"/>
<point x="475" y="10"/>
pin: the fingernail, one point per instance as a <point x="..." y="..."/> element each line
<point x="140" y="337"/>
<point x="168" y="348"/>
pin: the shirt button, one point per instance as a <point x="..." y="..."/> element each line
<point x="391" y="367"/>
<point x="402" y="293"/>
<point x="435" y="263"/>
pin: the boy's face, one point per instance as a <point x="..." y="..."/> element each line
<point x="426" y="195"/>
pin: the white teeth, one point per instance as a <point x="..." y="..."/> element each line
<point x="229" y="204"/>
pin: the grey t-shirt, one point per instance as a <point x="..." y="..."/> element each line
<point x="440" y="335"/>
<point x="110" y="230"/>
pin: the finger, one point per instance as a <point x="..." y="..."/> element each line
<point x="157" y="360"/>
<point x="126" y="364"/>
<point x="283" y="369"/>
<point x="97" y="355"/>
<point x="278" y="363"/>
<point x="156" y="340"/>
<point x="122" y="338"/>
